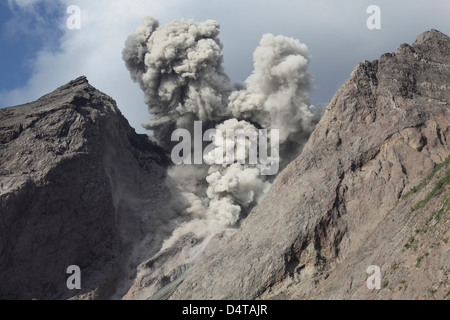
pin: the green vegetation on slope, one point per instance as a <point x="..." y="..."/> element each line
<point x="428" y="178"/>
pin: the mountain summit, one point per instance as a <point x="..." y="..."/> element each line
<point x="369" y="189"/>
<point x="78" y="187"/>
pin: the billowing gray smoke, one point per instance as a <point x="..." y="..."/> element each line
<point x="276" y="93"/>
<point x="179" y="68"/>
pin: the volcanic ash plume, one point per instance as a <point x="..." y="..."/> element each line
<point x="276" y="94"/>
<point x="179" y="68"/>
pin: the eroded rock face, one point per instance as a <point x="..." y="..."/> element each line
<point x="342" y="206"/>
<point x="79" y="187"/>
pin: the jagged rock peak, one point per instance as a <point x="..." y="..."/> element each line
<point x="341" y="206"/>
<point x="79" y="91"/>
<point x="80" y="83"/>
<point x="77" y="81"/>
<point x="78" y="186"/>
<point x="434" y="44"/>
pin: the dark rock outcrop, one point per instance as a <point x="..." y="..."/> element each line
<point x="345" y="203"/>
<point x="79" y="187"/>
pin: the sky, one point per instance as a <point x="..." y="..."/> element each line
<point x="39" y="53"/>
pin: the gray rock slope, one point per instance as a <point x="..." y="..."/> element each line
<point x="370" y="188"/>
<point x="79" y="187"/>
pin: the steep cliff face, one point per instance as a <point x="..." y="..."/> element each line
<point x="79" y="187"/>
<point x="370" y="188"/>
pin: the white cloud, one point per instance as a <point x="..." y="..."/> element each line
<point x="21" y="3"/>
<point x="94" y="51"/>
<point x="335" y="33"/>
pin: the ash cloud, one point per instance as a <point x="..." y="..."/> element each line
<point x="179" y="68"/>
<point x="276" y="94"/>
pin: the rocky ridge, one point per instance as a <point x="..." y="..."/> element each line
<point x="347" y="201"/>
<point x="79" y="187"/>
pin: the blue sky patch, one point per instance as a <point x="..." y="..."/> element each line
<point x="23" y="32"/>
